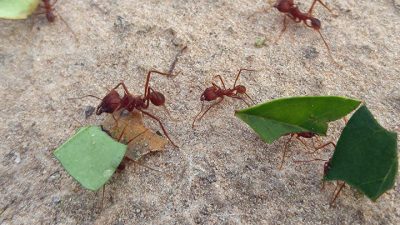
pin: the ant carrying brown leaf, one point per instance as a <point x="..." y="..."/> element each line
<point x="218" y="93"/>
<point x="113" y="102"/>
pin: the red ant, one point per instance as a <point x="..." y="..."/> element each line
<point x="50" y="16"/>
<point x="113" y="102"/>
<point x="327" y="167"/>
<point x="291" y="10"/>
<point x="306" y="134"/>
<point x="214" y="92"/>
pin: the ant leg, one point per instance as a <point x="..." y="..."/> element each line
<point x="161" y="125"/>
<point x="285" y="150"/>
<point x="148" y="80"/>
<point x="302" y="141"/>
<point x="322" y="146"/>
<point x="283" y="29"/>
<point x="337" y="193"/>
<point x="214" y="104"/>
<point x="123" y="86"/>
<point x="194" y="120"/>
<point x="222" y="81"/>
<point x="249" y="98"/>
<point x="66" y="24"/>
<point x="238" y="97"/>
<point x="237" y="76"/>
<point x="313" y="4"/>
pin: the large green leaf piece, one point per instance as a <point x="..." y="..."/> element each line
<point x="276" y="118"/>
<point x="17" y="9"/>
<point x="91" y="156"/>
<point x="365" y="156"/>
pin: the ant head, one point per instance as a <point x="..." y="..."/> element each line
<point x="240" y="89"/>
<point x="50" y="17"/>
<point x="110" y="103"/>
<point x="156" y="98"/>
<point x="284" y="6"/>
<point x="209" y="94"/>
<point x="313" y="23"/>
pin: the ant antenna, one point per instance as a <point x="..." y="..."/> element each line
<point x="329" y="49"/>
<point x="84" y="97"/>
<point x="202" y="106"/>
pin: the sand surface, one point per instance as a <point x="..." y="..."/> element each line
<point x="222" y="173"/>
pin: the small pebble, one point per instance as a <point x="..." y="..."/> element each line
<point x="56" y="199"/>
<point x="17" y="159"/>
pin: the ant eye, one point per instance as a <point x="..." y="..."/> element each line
<point x="157" y="98"/>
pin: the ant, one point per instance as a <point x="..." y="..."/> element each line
<point x="327" y="167"/>
<point x="298" y="136"/>
<point x="216" y="92"/>
<point x="291" y="10"/>
<point x="113" y="102"/>
<point x="50" y="15"/>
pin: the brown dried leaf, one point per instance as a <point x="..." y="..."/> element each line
<point x="131" y="127"/>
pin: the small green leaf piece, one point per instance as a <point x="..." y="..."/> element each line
<point x="17" y="9"/>
<point x="91" y="156"/>
<point x="365" y="156"/>
<point x="276" y="118"/>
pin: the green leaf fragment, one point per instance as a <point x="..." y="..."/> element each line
<point x="91" y="156"/>
<point x="17" y="9"/>
<point x="276" y="118"/>
<point x="365" y="156"/>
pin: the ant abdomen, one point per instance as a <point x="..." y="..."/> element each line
<point x="157" y="98"/>
<point x="110" y="103"/>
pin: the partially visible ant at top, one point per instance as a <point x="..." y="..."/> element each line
<point x="308" y="135"/>
<point x="113" y="102"/>
<point x="327" y="166"/>
<point x="215" y="92"/>
<point x="291" y="10"/>
<point x="51" y="16"/>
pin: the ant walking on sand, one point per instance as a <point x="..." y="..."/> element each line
<point x="327" y="167"/>
<point x="291" y="10"/>
<point x="113" y="102"/>
<point x="298" y="136"/>
<point x="50" y="15"/>
<point x="215" y="92"/>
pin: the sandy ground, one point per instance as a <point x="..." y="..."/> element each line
<point x="222" y="173"/>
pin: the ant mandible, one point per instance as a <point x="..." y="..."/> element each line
<point x="216" y="92"/>
<point x="113" y="102"/>
<point x="298" y="136"/>
<point x="291" y="10"/>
